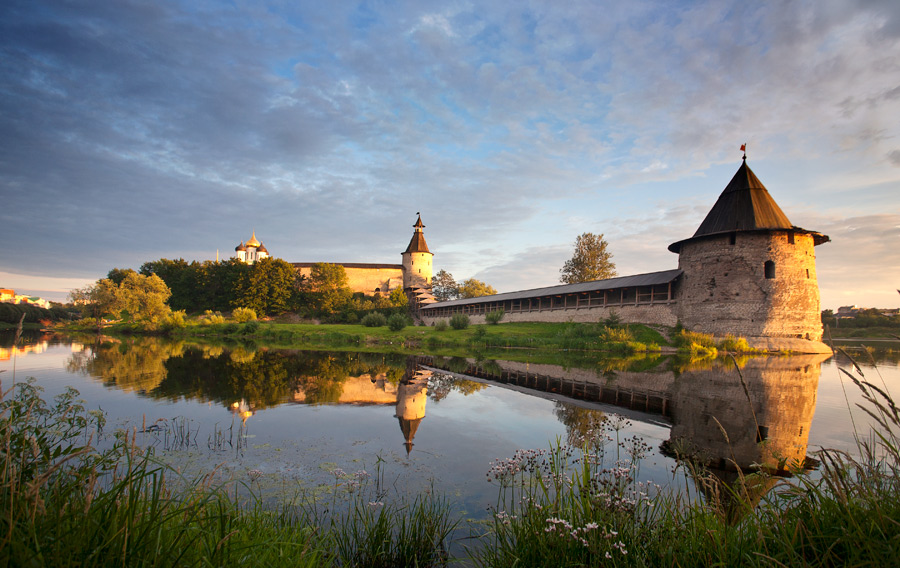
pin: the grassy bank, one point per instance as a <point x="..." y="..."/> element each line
<point x="607" y="337"/>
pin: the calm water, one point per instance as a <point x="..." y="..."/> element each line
<point x="293" y="417"/>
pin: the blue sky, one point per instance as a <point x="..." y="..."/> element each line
<point x="134" y="131"/>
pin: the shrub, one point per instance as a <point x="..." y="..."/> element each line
<point x="735" y="345"/>
<point x="616" y="335"/>
<point x="210" y="318"/>
<point x="441" y="325"/>
<point x="494" y="317"/>
<point x="250" y="327"/>
<point x="397" y="322"/>
<point x="459" y="321"/>
<point x="614" y="320"/>
<point x="175" y="320"/>
<point x="243" y="315"/>
<point x="374" y="319"/>
<point x="685" y="338"/>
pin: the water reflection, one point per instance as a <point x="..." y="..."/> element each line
<point x="728" y="414"/>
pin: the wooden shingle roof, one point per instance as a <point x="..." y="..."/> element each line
<point x="417" y="243"/>
<point x="744" y="205"/>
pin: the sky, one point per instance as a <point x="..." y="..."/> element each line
<point x="134" y="131"/>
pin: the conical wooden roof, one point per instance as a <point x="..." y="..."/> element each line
<point x="417" y="243"/>
<point x="744" y="205"/>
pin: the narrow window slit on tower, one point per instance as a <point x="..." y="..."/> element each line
<point x="770" y="269"/>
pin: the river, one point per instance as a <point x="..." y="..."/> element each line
<point x="295" y="421"/>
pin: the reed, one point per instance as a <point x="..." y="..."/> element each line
<point x="65" y="501"/>
<point x="581" y="508"/>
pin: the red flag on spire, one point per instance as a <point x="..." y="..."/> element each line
<point x="743" y="147"/>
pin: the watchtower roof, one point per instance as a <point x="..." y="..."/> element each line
<point x="745" y="205"/>
<point x="417" y="243"/>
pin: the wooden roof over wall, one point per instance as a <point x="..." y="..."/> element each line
<point x="648" y="279"/>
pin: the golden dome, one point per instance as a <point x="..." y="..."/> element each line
<point x="253" y="242"/>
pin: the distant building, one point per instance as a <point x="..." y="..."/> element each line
<point x="9" y="296"/>
<point x="413" y="274"/>
<point x="251" y="251"/>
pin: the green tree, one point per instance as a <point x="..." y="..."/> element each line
<point x="218" y="284"/>
<point x="144" y="298"/>
<point x="330" y="286"/>
<point x="444" y="287"/>
<point x="472" y="288"/>
<point x="117" y="275"/>
<point x="97" y="300"/>
<point x="591" y="261"/>
<point x="399" y="298"/>
<point x="182" y="279"/>
<point x="269" y="287"/>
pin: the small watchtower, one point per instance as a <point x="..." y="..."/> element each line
<point x="417" y="267"/>
<point x="748" y="270"/>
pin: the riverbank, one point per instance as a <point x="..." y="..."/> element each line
<point x="605" y="337"/>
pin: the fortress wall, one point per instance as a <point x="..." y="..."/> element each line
<point x="366" y="280"/>
<point x="724" y="289"/>
<point x="660" y="314"/>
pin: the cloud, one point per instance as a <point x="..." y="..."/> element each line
<point x="137" y="131"/>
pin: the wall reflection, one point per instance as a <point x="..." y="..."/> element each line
<point x="729" y="414"/>
<point x="726" y="417"/>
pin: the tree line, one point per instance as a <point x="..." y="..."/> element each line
<point x="273" y="286"/>
<point x="270" y="286"/>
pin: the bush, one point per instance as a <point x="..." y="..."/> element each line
<point x="374" y="319"/>
<point x="494" y="317"/>
<point x="243" y="315"/>
<point x="174" y="320"/>
<point x="735" y="345"/>
<point x="616" y="335"/>
<point x="397" y="322"/>
<point x="685" y="338"/>
<point x="459" y="321"/>
<point x="441" y="325"/>
<point x="250" y="327"/>
<point x="211" y="318"/>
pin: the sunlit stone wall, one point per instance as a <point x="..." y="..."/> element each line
<point x="369" y="280"/>
<point x="725" y="288"/>
<point x="657" y="314"/>
<point x="418" y="269"/>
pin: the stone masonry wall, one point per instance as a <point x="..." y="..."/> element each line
<point x="660" y="314"/>
<point x="724" y="289"/>
<point x="418" y="269"/>
<point x="367" y="280"/>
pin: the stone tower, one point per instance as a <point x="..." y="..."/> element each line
<point x="417" y="259"/>
<point x="747" y="270"/>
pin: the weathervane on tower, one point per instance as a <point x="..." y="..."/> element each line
<point x="744" y="150"/>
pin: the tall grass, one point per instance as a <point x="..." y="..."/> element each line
<point x="64" y="502"/>
<point x="582" y="508"/>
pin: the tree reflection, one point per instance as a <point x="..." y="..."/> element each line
<point x="256" y="378"/>
<point x="580" y="422"/>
